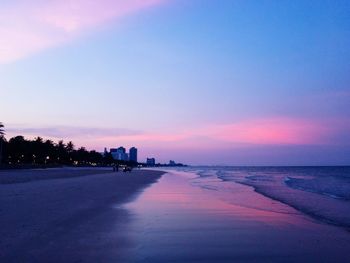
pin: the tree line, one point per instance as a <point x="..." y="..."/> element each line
<point x="19" y="151"/>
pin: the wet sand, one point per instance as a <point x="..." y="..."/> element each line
<point x="180" y="220"/>
<point x="114" y="218"/>
<point x="67" y="219"/>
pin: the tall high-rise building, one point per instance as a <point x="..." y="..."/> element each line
<point x="133" y="154"/>
<point x="119" y="154"/>
<point x="121" y="149"/>
<point x="113" y="151"/>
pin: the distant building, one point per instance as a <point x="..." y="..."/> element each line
<point x="125" y="157"/>
<point x="113" y="151"/>
<point x="173" y="163"/>
<point x="133" y="154"/>
<point x="121" y="149"/>
<point x="119" y="154"/>
<point x="151" y="162"/>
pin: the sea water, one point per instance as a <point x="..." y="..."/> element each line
<point x="320" y="192"/>
<point x="242" y="214"/>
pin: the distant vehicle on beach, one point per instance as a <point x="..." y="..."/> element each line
<point x="127" y="169"/>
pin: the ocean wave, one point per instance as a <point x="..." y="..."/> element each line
<point x="328" y="186"/>
<point x="320" y="192"/>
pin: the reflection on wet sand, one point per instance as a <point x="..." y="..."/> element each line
<point x="177" y="221"/>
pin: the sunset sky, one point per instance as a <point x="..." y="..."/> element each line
<point x="232" y="82"/>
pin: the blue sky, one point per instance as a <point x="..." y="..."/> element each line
<point x="175" y="76"/>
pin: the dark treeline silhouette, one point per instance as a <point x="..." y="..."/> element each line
<point x="2" y="139"/>
<point x="20" y="152"/>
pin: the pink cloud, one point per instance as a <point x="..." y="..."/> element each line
<point x="272" y="131"/>
<point x="27" y="27"/>
<point x="265" y="131"/>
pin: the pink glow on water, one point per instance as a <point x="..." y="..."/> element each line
<point x="176" y="193"/>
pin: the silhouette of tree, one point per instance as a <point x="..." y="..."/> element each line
<point x="70" y="147"/>
<point x="39" y="140"/>
<point x="49" y="150"/>
<point x="62" y="155"/>
<point x="108" y="158"/>
<point x="2" y="133"/>
<point x="39" y="152"/>
<point x="17" y="149"/>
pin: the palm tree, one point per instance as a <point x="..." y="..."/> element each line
<point x="70" y="147"/>
<point x="70" y="150"/>
<point x="61" y="151"/>
<point x="2" y="133"/>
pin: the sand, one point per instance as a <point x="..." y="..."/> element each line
<point x="116" y="218"/>
<point x="72" y="218"/>
<point x="28" y="175"/>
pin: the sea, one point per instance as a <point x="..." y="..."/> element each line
<point x="322" y="193"/>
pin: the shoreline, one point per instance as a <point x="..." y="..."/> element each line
<point x="316" y="200"/>
<point x="304" y="210"/>
<point x="179" y="220"/>
<point x="314" y="215"/>
<point x="69" y="219"/>
<point x="118" y="217"/>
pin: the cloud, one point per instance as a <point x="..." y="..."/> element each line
<point x="27" y="27"/>
<point x="69" y="132"/>
<point x="282" y="131"/>
<point x="271" y="131"/>
<point x="263" y="131"/>
<point x="241" y="134"/>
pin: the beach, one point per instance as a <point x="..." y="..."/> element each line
<point x="170" y="215"/>
<point x="71" y="217"/>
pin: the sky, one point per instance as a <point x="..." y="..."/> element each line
<point x="229" y="82"/>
